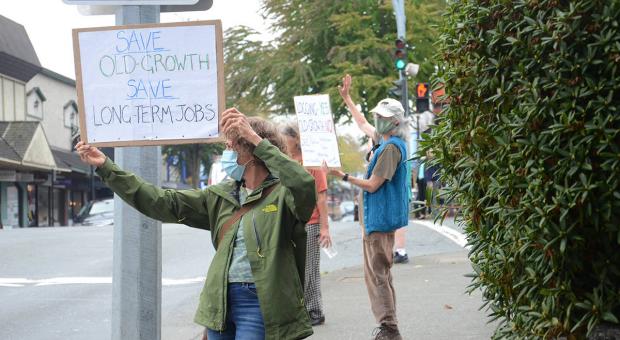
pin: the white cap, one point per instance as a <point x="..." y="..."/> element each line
<point x="389" y="107"/>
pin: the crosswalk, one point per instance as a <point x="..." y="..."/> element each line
<point x="24" y="282"/>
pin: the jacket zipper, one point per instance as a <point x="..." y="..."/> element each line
<point x="258" y="248"/>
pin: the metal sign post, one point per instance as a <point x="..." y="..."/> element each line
<point x="136" y="280"/>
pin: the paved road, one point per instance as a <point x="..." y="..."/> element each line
<point x="55" y="283"/>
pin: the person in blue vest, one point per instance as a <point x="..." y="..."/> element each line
<point x="400" y="251"/>
<point x="386" y="208"/>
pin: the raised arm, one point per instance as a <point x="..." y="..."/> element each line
<point x="358" y="117"/>
<point x="292" y="175"/>
<point x="171" y="206"/>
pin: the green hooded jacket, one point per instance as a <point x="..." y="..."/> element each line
<point x="273" y="231"/>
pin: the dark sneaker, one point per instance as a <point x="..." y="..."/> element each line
<point x="385" y="332"/>
<point x="398" y="258"/>
<point x="317" y="321"/>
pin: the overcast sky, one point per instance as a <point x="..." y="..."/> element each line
<point x="49" y="24"/>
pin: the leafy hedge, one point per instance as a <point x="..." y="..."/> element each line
<point x="530" y="146"/>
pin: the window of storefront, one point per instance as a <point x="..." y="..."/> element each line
<point x="12" y="206"/>
<point x="43" y="206"/>
<point x="60" y="205"/>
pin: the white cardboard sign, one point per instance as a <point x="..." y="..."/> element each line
<point x="316" y="130"/>
<point x="150" y="84"/>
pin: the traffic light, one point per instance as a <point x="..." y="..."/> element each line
<point x="400" y="54"/>
<point x="422" y="101"/>
<point x="397" y="90"/>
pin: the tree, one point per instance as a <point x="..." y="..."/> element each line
<point x="350" y="155"/>
<point x="247" y="71"/>
<point x="194" y="155"/>
<point x="529" y="147"/>
<point x="320" y="41"/>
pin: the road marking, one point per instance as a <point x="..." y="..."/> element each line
<point x="179" y="282"/>
<point x="451" y="234"/>
<point x="23" y="282"/>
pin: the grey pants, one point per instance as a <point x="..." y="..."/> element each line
<point x="312" y="289"/>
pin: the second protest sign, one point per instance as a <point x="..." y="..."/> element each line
<point x="316" y="130"/>
<point x="150" y="84"/>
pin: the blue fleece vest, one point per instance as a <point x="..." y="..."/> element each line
<point x="387" y="209"/>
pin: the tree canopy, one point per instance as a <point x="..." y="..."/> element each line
<point x="316" y="43"/>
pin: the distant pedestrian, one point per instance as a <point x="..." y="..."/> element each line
<point x="356" y="209"/>
<point x="386" y="209"/>
<point x="421" y="210"/>
<point x="254" y="287"/>
<point x="317" y="229"/>
<point x="400" y="251"/>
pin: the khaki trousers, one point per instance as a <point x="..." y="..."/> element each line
<point x="378" y="259"/>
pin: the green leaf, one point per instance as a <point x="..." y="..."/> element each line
<point x="609" y="317"/>
<point x="562" y="246"/>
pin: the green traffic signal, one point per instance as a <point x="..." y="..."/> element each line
<point x="400" y="54"/>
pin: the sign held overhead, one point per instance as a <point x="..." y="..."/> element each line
<point x="316" y="131"/>
<point x="150" y="84"/>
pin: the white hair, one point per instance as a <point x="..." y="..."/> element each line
<point x="402" y="130"/>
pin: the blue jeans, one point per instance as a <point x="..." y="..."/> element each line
<point x="244" y="320"/>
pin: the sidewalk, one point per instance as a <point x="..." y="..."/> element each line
<point x="430" y="292"/>
<point x="431" y="301"/>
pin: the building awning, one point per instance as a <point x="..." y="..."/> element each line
<point x="7" y="154"/>
<point x="69" y="161"/>
<point x="23" y="145"/>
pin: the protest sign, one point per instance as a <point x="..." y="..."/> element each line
<point x="150" y="84"/>
<point x="316" y="131"/>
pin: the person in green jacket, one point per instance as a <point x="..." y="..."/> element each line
<point x="254" y="286"/>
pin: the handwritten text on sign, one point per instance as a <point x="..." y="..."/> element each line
<point x="316" y="127"/>
<point x="150" y="84"/>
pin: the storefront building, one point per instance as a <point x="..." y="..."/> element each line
<point x="42" y="181"/>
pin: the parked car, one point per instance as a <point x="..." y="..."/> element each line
<point x="349" y="217"/>
<point x="101" y="213"/>
<point x="347" y="207"/>
<point x="83" y="213"/>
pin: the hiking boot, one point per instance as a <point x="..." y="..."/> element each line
<point x="385" y="332"/>
<point x="398" y="258"/>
